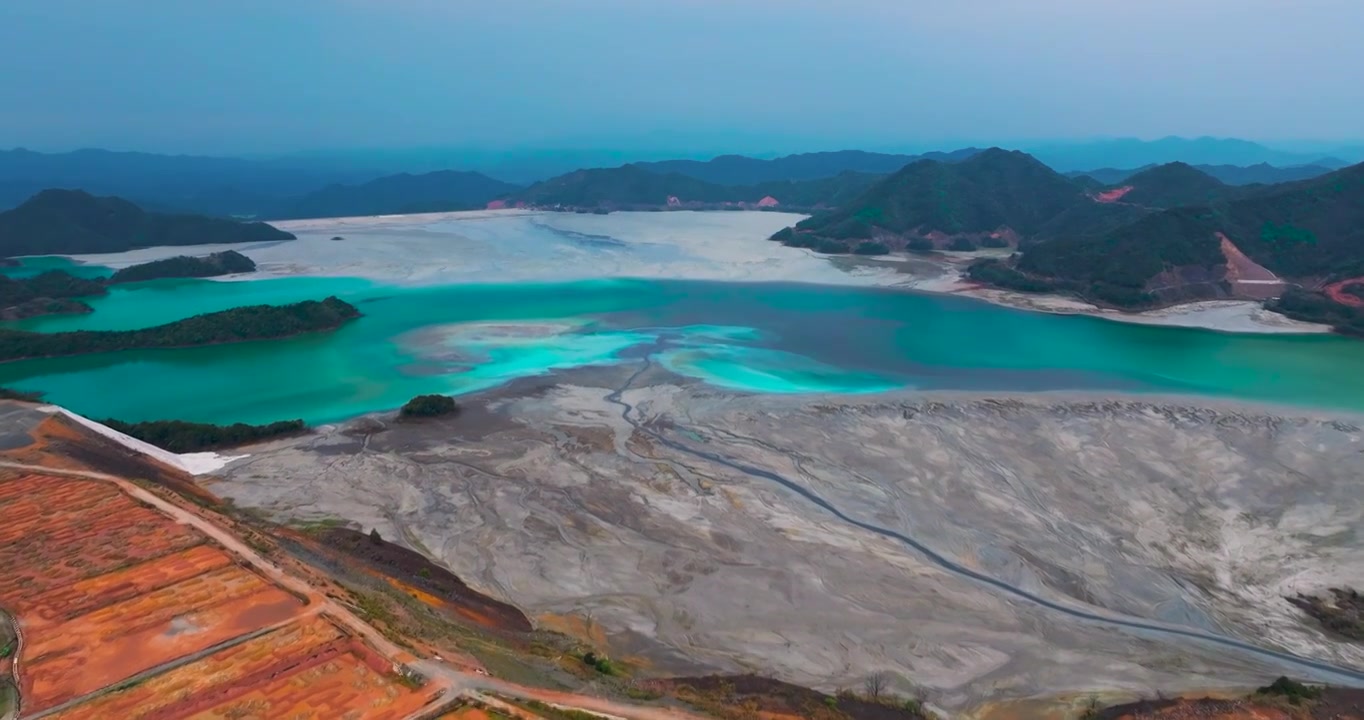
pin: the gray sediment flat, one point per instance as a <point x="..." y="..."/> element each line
<point x="1133" y="543"/>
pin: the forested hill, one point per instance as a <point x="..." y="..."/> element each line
<point x="1310" y="232"/>
<point x="1172" y="185"/>
<point x="69" y="222"/>
<point x="228" y="262"/>
<point x="49" y="293"/>
<point x="992" y="192"/>
<point x="254" y="322"/>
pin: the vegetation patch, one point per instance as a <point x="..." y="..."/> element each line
<point x="11" y="394"/>
<point x="178" y="436"/>
<point x="48" y="293"/>
<point x="74" y="222"/>
<point x="1293" y="691"/>
<point x="229" y="262"/>
<point x="427" y="406"/>
<point x="1310" y="306"/>
<point x="1340" y="610"/>
<point x="415" y="569"/>
<point x="254" y="322"/>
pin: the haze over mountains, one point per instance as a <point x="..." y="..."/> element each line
<point x="328" y="184"/>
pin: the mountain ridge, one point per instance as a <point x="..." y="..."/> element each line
<point x="439" y="191"/>
<point x="1308" y="232"/>
<point x="997" y="195"/>
<point x="74" y="222"/>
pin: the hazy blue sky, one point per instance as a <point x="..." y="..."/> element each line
<point x="276" y="75"/>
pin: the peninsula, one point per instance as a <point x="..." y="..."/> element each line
<point x="255" y="322"/>
<point x="228" y="262"/>
<point x="49" y="293"/>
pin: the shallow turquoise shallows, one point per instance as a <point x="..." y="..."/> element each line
<point x="774" y="338"/>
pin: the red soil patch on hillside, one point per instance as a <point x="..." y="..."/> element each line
<point x="1114" y="195"/>
<point x="1247" y="277"/>
<point x="1336" y="291"/>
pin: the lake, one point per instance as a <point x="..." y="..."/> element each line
<point x="759" y="337"/>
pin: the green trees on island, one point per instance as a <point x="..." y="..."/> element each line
<point x="425" y="406"/>
<point x="229" y="262"/>
<point x="254" y="322"/>
<point x="178" y="436"/>
<point x="45" y="294"/>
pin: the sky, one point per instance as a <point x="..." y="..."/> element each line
<point x="274" y="76"/>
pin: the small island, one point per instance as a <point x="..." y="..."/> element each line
<point x="427" y="406"/>
<point x="178" y="436"/>
<point x="255" y="322"/>
<point x="49" y="293"/>
<point x="229" y="262"/>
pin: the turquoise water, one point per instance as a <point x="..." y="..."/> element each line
<point x="34" y="265"/>
<point x="774" y="338"/>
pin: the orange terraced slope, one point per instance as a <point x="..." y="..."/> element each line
<point x="124" y="612"/>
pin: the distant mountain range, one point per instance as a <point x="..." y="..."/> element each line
<point x="407" y="181"/>
<point x="1133" y="153"/>
<point x="183" y="183"/>
<point x="1261" y="174"/>
<point x="636" y="187"/>
<point x="440" y="191"/>
<point x="742" y="170"/>
<point x="71" y="222"/>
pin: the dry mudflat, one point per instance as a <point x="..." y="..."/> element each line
<point x="984" y="549"/>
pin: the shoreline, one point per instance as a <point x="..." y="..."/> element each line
<point x="1230" y="316"/>
<point x="936" y="274"/>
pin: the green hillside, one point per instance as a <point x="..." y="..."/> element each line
<point x="993" y="189"/>
<point x="242" y="324"/>
<point x="1309" y="231"/>
<point x="62" y="222"/>
<point x="1175" y="184"/>
<point x="229" y="262"/>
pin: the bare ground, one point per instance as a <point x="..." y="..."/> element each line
<point x="673" y="530"/>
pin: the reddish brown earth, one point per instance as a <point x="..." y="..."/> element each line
<point x="1335" y="704"/>
<point x="107" y="588"/>
<point x="132" y="606"/>
<point x="1114" y="195"/>
<point x="1336" y="291"/>
<point x="186" y="617"/>
<point x="1247" y="277"/>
